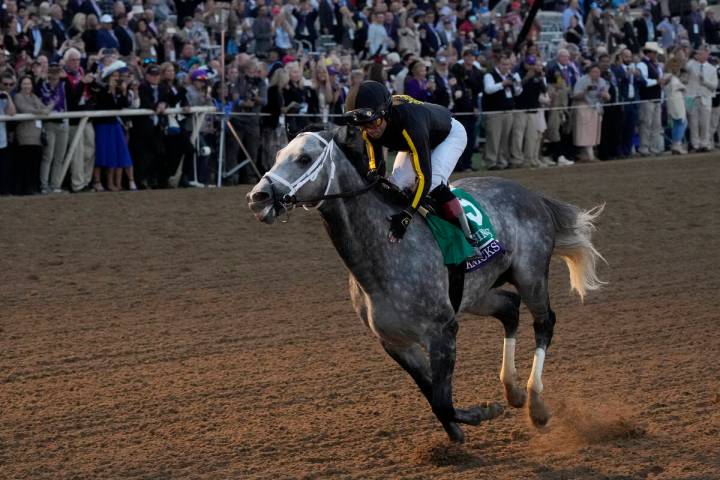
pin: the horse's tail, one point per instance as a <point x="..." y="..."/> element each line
<point x="573" y="243"/>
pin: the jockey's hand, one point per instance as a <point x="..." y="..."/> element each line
<point x="398" y="225"/>
<point x="372" y="176"/>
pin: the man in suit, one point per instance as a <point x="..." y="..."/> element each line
<point x="645" y="27"/>
<point x="58" y="28"/>
<point x="563" y="70"/>
<point x="429" y="39"/>
<point x="305" y="28"/>
<point x="106" y="36"/>
<point x="466" y="84"/>
<point x="694" y="24"/>
<point x="326" y="9"/>
<point x="440" y="77"/>
<point x="627" y="80"/>
<point x="125" y="36"/>
<point x="91" y="6"/>
<point x="146" y="134"/>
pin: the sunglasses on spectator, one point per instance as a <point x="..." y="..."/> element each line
<point x="8" y="84"/>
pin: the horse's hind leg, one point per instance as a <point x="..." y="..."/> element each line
<point x="537" y="299"/>
<point x="505" y="306"/>
<point x="414" y="361"/>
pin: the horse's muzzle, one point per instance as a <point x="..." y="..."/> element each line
<point x="261" y="202"/>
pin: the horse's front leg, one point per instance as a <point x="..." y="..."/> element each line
<point x="414" y="361"/>
<point x="442" y="364"/>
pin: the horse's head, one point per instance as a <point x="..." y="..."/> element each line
<point x="303" y="171"/>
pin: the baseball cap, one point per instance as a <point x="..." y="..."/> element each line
<point x="152" y="70"/>
<point x="199" y="74"/>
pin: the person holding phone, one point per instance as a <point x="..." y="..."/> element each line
<point x="112" y="150"/>
<point x="590" y="92"/>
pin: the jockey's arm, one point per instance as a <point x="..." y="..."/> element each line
<point x="371" y="151"/>
<point x="418" y="141"/>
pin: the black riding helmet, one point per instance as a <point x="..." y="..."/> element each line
<point x="367" y="102"/>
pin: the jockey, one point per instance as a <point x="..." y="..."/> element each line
<point x="429" y="143"/>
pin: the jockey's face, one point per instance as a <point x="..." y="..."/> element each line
<point x="375" y="129"/>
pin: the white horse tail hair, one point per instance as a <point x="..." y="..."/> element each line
<point x="573" y="243"/>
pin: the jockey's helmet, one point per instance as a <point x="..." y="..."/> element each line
<point x="367" y="102"/>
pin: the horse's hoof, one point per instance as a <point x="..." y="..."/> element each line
<point x="515" y="395"/>
<point x="476" y="415"/>
<point x="454" y="433"/>
<point x="539" y="414"/>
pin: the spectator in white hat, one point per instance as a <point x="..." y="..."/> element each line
<point x="651" y="74"/>
<point x="106" y="36"/>
<point x="112" y="150"/>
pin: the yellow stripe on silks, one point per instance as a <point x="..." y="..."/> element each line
<point x="370" y="150"/>
<point x="418" y="170"/>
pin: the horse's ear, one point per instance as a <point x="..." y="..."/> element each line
<point x="313" y="127"/>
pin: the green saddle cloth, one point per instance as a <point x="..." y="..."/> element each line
<point x="451" y="239"/>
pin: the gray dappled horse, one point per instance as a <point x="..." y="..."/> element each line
<point x="400" y="290"/>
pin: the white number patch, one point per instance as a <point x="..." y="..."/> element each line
<point x="471" y="212"/>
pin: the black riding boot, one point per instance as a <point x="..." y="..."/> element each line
<point x="451" y="210"/>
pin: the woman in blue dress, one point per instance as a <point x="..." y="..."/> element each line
<point x="111" y="149"/>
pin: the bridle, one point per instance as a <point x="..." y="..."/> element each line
<point x="289" y="200"/>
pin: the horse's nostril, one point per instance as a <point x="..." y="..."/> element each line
<point x="260" y="196"/>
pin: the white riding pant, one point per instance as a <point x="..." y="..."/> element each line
<point x="443" y="160"/>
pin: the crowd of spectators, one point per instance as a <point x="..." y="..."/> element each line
<point x="622" y="80"/>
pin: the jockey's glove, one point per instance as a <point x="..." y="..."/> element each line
<point x="398" y="225"/>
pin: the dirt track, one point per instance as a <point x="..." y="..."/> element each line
<point x="167" y="334"/>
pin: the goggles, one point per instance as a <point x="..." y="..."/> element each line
<point x="361" y="116"/>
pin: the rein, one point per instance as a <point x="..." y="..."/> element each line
<point x="290" y="200"/>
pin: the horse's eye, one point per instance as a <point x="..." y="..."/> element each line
<point x="304" y="159"/>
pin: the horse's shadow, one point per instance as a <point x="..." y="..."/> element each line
<point x="442" y="453"/>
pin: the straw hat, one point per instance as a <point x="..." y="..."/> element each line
<point x="653" y="47"/>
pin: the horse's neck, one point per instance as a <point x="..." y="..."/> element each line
<point x="357" y="226"/>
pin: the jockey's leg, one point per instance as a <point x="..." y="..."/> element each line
<point x="451" y="209"/>
<point x="415" y="362"/>
<point x="444" y="158"/>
